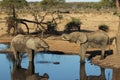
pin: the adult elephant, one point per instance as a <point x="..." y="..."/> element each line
<point x="27" y="43"/>
<point x="97" y="39"/>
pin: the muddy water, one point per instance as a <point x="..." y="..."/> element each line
<point x="57" y="67"/>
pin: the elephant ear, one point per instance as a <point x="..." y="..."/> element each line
<point x="82" y="38"/>
<point x="31" y="43"/>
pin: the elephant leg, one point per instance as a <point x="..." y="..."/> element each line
<point x="83" y="48"/>
<point x="15" y="53"/>
<point x="31" y="55"/>
<point x="33" y="52"/>
<point x="18" y="58"/>
<point x="103" y="52"/>
<point x="15" y="56"/>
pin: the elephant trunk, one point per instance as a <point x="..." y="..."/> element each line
<point x="65" y="37"/>
<point x="46" y="49"/>
<point x="44" y="45"/>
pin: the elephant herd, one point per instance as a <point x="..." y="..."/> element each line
<point x="96" y="39"/>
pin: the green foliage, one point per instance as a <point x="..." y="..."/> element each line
<point x="10" y="23"/>
<point x="74" y="24"/>
<point x="49" y="2"/>
<point x="107" y="3"/>
<point x="16" y="3"/>
<point x="51" y="26"/>
<point x="52" y="3"/>
<point x="62" y="5"/>
<point x="75" y="20"/>
<point x="104" y="27"/>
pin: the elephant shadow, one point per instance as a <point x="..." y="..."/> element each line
<point x="19" y="73"/>
<point x="81" y="30"/>
<point x="54" y="52"/>
<point x="98" y="52"/>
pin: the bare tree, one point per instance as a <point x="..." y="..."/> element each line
<point x="118" y="5"/>
<point x="118" y="33"/>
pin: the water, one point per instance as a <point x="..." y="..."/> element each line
<point x="3" y="46"/>
<point x="67" y="67"/>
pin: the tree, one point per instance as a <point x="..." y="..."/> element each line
<point x="61" y="1"/>
<point x="118" y="33"/>
<point x="49" y="2"/>
<point x="17" y="3"/>
<point x="118" y="5"/>
<point x="52" y="2"/>
<point x="108" y="3"/>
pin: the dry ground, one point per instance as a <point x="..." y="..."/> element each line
<point x="89" y="22"/>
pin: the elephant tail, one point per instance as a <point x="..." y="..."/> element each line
<point x="111" y="41"/>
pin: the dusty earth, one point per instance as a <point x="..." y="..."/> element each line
<point x="90" y="21"/>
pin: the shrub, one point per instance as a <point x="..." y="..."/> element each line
<point x="51" y="26"/>
<point x="74" y="24"/>
<point x="104" y="27"/>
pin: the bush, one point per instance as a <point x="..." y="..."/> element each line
<point x="51" y="26"/>
<point x="74" y="24"/>
<point x="104" y="27"/>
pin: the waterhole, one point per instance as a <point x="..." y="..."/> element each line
<point x="57" y="67"/>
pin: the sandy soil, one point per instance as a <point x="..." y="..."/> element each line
<point x="89" y="22"/>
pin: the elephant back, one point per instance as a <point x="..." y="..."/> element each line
<point x="78" y="37"/>
<point x="18" y="43"/>
<point x="98" y="37"/>
<point x="36" y="43"/>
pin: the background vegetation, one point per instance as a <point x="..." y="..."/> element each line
<point x="58" y="4"/>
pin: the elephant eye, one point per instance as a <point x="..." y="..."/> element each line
<point x="96" y="41"/>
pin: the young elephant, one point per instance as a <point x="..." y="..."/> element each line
<point x="26" y="43"/>
<point x="97" y="39"/>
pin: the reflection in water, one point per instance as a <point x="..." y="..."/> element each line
<point x="116" y="74"/>
<point x="4" y="68"/>
<point x="3" y="46"/>
<point x="19" y="73"/>
<point x="68" y="68"/>
<point x="83" y="75"/>
<point x="82" y="72"/>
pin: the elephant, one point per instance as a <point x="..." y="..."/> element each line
<point x="96" y="39"/>
<point x="26" y="43"/>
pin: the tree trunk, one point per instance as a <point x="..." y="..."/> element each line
<point x="118" y="33"/>
<point x="118" y="5"/>
<point x="118" y="38"/>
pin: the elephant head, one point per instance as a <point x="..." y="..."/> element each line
<point x="65" y="37"/>
<point x="77" y="37"/>
<point x="26" y="43"/>
<point x="36" y="43"/>
<point x="82" y="38"/>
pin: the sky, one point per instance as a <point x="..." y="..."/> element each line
<point x="71" y="0"/>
